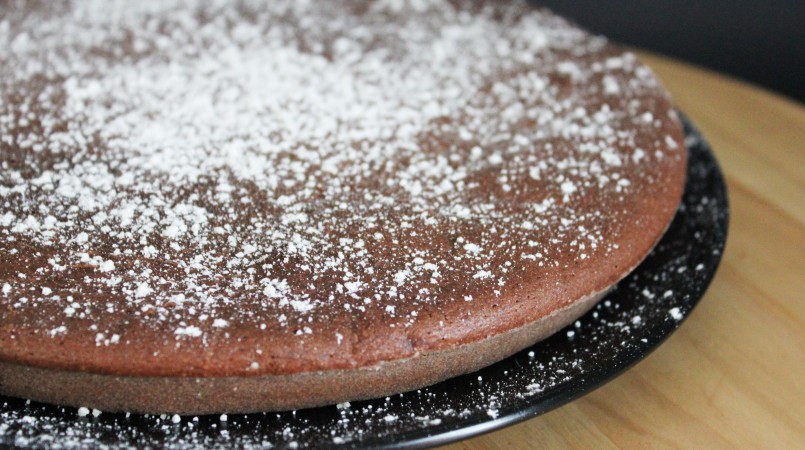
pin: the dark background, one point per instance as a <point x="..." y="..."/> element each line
<point x="759" y="41"/>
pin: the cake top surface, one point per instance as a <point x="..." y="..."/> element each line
<point x="221" y="187"/>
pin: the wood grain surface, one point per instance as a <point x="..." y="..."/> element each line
<point x="733" y="376"/>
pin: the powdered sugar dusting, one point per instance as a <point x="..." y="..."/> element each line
<point x="183" y="164"/>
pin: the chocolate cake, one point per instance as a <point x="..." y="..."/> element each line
<point x="211" y="206"/>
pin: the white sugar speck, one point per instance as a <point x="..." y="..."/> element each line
<point x="191" y="331"/>
<point x="472" y="248"/>
<point x="143" y="289"/>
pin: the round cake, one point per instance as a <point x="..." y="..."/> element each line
<point x="215" y="206"/>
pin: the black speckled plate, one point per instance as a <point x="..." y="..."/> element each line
<point x="620" y="331"/>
